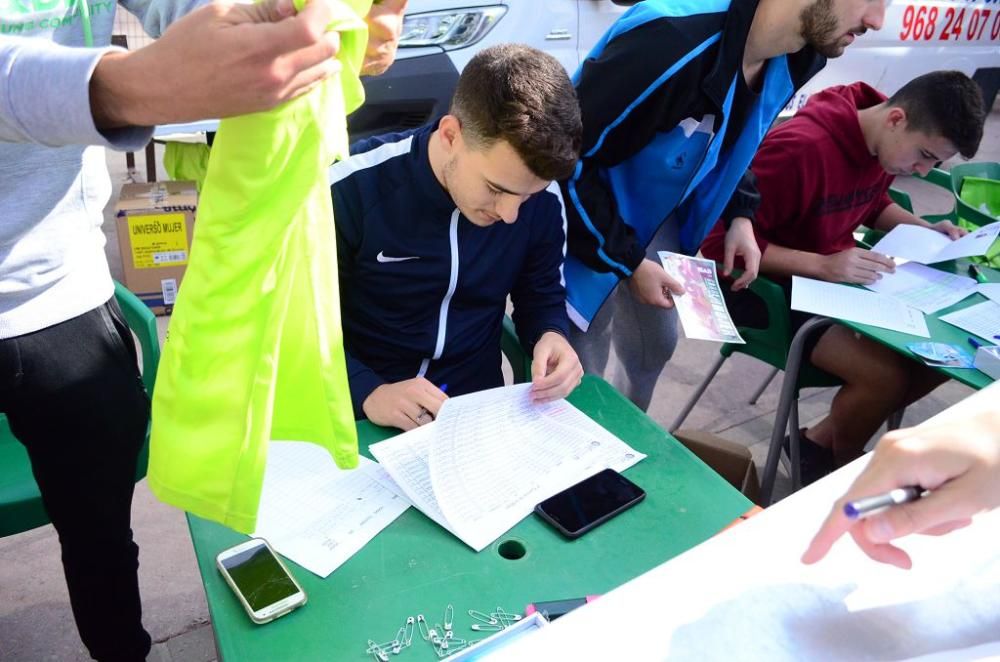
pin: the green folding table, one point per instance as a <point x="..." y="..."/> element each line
<point x="939" y="331"/>
<point x="415" y="567"/>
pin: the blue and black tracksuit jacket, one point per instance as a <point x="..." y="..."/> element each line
<point x="658" y="93"/>
<point x="423" y="290"/>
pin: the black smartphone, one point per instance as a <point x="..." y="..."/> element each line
<point x="590" y="503"/>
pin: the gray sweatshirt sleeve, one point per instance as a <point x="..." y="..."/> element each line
<point x="157" y="15"/>
<point x="45" y="86"/>
<point x="45" y="96"/>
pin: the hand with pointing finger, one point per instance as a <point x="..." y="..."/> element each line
<point x="958" y="462"/>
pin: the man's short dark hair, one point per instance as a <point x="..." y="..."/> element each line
<point x="947" y="104"/>
<point x="519" y="94"/>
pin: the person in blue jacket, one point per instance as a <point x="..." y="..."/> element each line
<point x="438" y="225"/>
<point x="675" y="99"/>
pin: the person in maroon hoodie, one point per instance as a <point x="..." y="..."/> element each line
<point x="821" y="175"/>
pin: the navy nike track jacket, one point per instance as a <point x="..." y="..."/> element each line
<point x="423" y="290"/>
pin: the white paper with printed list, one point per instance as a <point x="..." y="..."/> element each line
<point x="319" y="515"/>
<point x="702" y="308"/>
<point x="990" y="290"/>
<point x="982" y="319"/>
<point x="856" y="305"/>
<point x="925" y="288"/>
<point x="913" y="242"/>
<point x="481" y="467"/>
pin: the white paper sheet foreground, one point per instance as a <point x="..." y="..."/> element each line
<point x="925" y="288"/>
<point x="982" y="319"/>
<point x="491" y="456"/>
<point x="318" y="515"/>
<point x="744" y="595"/>
<point x="912" y="242"/>
<point x="702" y="309"/>
<point x="856" y="305"/>
<point x="990" y="290"/>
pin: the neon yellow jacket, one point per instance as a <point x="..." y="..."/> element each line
<point x="254" y="351"/>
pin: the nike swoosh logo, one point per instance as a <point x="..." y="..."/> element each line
<point x="381" y="257"/>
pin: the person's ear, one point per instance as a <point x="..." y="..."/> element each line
<point x="896" y="118"/>
<point x="450" y="130"/>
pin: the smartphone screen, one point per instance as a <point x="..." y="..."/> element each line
<point x="590" y="502"/>
<point x="259" y="577"/>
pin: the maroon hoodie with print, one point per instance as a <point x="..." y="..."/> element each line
<point x="818" y="181"/>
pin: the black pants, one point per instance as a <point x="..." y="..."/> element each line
<point x="74" y="398"/>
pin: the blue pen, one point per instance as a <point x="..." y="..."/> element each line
<point x="975" y="343"/>
<point x="423" y="410"/>
<point x="862" y="508"/>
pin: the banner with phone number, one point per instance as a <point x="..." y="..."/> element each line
<point x="941" y="21"/>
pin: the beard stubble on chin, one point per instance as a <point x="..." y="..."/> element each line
<point x="819" y="28"/>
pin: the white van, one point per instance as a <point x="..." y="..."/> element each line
<point x="440" y="36"/>
<point x="919" y="36"/>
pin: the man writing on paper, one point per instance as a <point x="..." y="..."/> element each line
<point x="821" y="175"/>
<point x="437" y="226"/>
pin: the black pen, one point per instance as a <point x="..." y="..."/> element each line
<point x="977" y="274"/>
<point x="862" y="508"/>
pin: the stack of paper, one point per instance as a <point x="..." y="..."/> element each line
<point x="856" y="305"/>
<point x="481" y="467"/>
<point x="912" y="242"/>
<point x="990" y="290"/>
<point x="318" y="515"/>
<point x="925" y="288"/>
<point x="983" y="319"/>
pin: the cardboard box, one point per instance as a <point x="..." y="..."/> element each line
<point x="730" y="460"/>
<point x="155" y="226"/>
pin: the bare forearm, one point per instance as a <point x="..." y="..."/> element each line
<point x="221" y="60"/>
<point x="781" y="261"/>
<point x="894" y="215"/>
<point x="115" y="96"/>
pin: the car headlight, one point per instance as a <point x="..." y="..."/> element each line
<point x="449" y="29"/>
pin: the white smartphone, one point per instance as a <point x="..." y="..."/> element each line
<point x="260" y="580"/>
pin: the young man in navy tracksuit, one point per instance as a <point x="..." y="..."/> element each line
<point x="675" y="99"/>
<point x="437" y="226"/>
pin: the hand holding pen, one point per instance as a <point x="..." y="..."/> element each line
<point x="405" y="405"/>
<point x="957" y="469"/>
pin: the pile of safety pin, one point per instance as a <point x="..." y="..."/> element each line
<point x="441" y="636"/>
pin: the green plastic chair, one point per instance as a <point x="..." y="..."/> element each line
<point x="770" y="345"/>
<point x="21" y="506"/>
<point x="510" y="346"/>
<point x="953" y="180"/>
<point x="961" y="213"/>
<point x="967" y="200"/>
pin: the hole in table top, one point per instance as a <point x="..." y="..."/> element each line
<point x="512" y="550"/>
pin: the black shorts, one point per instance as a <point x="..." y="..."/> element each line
<point x="748" y="310"/>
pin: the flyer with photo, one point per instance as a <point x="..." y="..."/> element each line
<point x="701" y="308"/>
